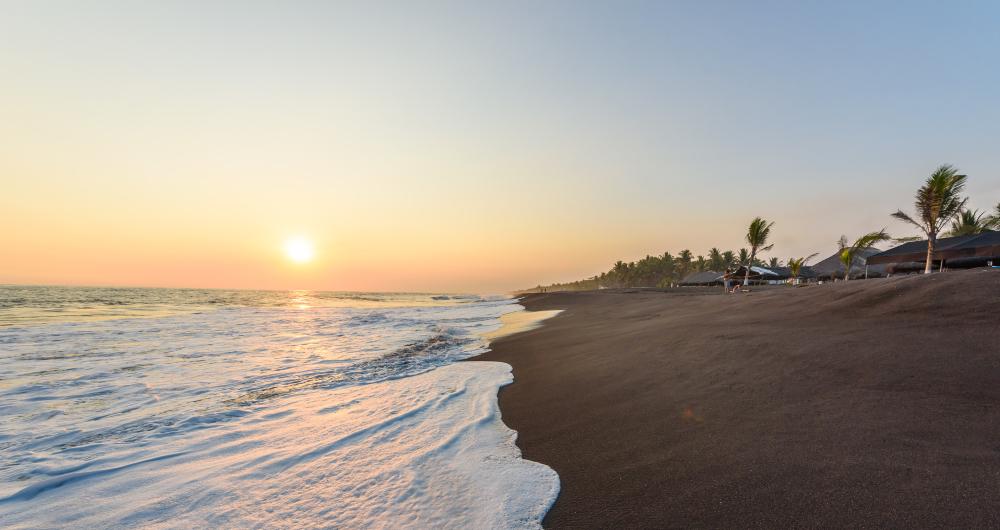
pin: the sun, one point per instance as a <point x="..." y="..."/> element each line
<point x="299" y="250"/>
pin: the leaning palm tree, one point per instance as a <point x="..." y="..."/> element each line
<point x="937" y="202"/>
<point x="757" y="236"/>
<point x="865" y="242"/>
<point x="795" y="265"/>
<point x="969" y="222"/>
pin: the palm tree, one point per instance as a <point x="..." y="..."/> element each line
<point x="685" y="258"/>
<point x="865" y="242"/>
<point x="715" y="261"/>
<point x="795" y="265"/>
<point x="667" y="264"/>
<point x="937" y="202"/>
<point x="774" y="262"/>
<point x="743" y="258"/>
<point x="993" y="221"/>
<point x="969" y="222"/>
<point x="728" y="258"/>
<point x="619" y="272"/>
<point x="757" y="236"/>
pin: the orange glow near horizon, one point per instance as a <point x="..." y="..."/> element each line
<point x="436" y="150"/>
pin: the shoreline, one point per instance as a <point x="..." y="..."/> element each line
<point x="865" y="403"/>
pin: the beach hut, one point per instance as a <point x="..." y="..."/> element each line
<point x="806" y="273"/>
<point x="702" y="278"/>
<point x="831" y="268"/>
<point x="758" y="275"/>
<point x="976" y="250"/>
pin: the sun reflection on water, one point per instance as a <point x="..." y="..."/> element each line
<point x="300" y="299"/>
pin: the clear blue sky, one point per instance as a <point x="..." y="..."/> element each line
<point x="567" y="134"/>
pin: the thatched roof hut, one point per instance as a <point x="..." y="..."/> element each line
<point x="703" y="278"/>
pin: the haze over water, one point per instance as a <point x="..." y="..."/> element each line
<point x="157" y="407"/>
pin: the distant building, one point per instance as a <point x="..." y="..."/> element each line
<point x="976" y="250"/>
<point x="702" y="278"/>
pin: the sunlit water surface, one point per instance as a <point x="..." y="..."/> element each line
<point x="181" y="408"/>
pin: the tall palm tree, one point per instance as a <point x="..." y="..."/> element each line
<point x="865" y="242"/>
<point x="757" y="235"/>
<point x="969" y="222"/>
<point x="937" y="202"/>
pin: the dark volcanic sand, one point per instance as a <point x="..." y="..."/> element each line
<point x="867" y="404"/>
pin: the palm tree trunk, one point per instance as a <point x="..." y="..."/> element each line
<point x="746" y="277"/>
<point x="929" y="264"/>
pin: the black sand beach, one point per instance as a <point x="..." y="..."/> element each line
<point x="862" y="404"/>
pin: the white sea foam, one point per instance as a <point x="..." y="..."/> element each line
<point x="264" y="417"/>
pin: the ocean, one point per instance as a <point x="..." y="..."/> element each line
<point x="181" y="408"/>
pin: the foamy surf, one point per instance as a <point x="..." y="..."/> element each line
<point x="263" y="417"/>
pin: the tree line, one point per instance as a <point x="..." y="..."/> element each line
<point x="938" y="202"/>
<point x="664" y="270"/>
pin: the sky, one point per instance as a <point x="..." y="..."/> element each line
<point x="471" y="146"/>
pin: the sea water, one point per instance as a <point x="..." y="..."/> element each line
<point x="204" y="408"/>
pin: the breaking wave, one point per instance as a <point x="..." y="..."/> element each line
<point x="259" y="413"/>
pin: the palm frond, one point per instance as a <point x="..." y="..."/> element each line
<point x="903" y="216"/>
<point x="870" y="239"/>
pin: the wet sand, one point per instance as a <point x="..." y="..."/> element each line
<point x="866" y="404"/>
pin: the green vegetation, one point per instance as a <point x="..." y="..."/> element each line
<point x="993" y="221"/>
<point x="968" y="223"/>
<point x="656" y="271"/>
<point x="757" y="235"/>
<point x="937" y="202"/>
<point x="865" y="242"/>
<point x="795" y="264"/>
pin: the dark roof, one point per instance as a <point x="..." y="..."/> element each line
<point x="785" y="273"/>
<point x="986" y="244"/>
<point x="701" y="278"/>
<point x="833" y="266"/>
